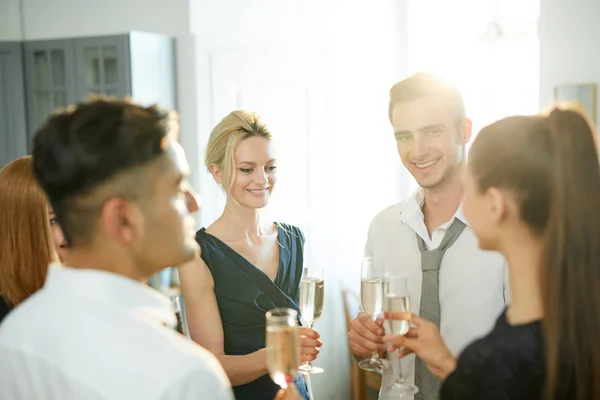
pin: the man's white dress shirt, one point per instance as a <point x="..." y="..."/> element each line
<point x="472" y="282"/>
<point x="92" y="335"/>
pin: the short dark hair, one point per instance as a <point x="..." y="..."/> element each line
<point x="424" y="84"/>
<point x="90" y="144"/>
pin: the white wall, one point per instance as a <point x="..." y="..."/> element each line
<point x="45" y="19"/>
<point x="569" y="45"/>
<point x="10" y="20"/>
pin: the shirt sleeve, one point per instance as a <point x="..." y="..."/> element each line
<point x="200" y="383"/>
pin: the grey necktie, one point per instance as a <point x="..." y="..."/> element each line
<point x="429" y="384"/>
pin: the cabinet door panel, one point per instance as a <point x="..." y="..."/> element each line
<point x="50" y="69"/>
<point x="102" y="65"/>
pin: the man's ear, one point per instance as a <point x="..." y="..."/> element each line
<point x="122" y="220"/>
<point x="466" y="130"/>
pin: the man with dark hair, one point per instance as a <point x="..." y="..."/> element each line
<point x="426" y="237"/>
<point x="116" y="177"/>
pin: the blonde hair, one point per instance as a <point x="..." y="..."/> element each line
<point x="224" y="138"/>
<point x="26" y="245"/>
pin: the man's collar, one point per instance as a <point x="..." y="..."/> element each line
<point x="112" y="289"/>
<point x="412" y="210"/>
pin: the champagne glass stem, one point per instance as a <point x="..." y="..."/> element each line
<point x="374" y="355"/>
<point x="397" y="367"/>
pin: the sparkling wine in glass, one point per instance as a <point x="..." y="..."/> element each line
<point x="312" y="296"/>
<point x="373" y="287"/>
<point x="397" y="300"/>
<point x="283" y="353"/>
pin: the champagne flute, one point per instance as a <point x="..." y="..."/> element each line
<point x="312" y="295"/>
<point x="397" y="299"/>
<point x="373" y="286"/>
<point x="283" y="353"/>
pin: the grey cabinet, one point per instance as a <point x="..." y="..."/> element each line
<point x="61" y="72"/>
<point x="13" y="130"/>
<point x="102" y="66"/>
<point x="50" y="71"/>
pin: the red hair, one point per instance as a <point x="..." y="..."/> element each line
<point x="26" y="246"/>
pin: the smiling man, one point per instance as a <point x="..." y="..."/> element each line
<point x="452" y="283"/>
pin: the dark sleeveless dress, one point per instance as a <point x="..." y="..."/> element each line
<point x="245" y="293"/>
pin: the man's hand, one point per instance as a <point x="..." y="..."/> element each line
<point x="366" y="336"/>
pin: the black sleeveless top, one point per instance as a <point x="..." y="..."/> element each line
<point x="507" y="364"/>
<point x="245" y="293"/>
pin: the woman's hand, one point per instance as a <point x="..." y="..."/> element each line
<point x="309" y="344"/>
<point x="425" y="341"/>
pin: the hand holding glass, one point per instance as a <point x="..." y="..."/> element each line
<point x="312" y="295"/>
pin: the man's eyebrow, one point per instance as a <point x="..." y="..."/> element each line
<point x="422" y="129"/>
<point x="431" y="127"/>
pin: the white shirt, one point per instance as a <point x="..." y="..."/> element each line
<point x="473" y="284"/>
<point x="96" y="335"/>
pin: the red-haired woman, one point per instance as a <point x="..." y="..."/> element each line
<point x="30" y="237"/>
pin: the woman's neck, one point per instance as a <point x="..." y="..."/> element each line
<point x="241" y="222"/>
<point x="524" y="256"/>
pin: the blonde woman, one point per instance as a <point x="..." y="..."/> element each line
<point x="247" y="265"/>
